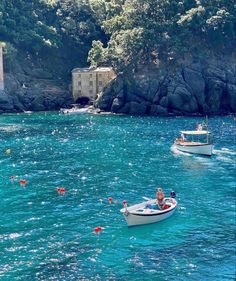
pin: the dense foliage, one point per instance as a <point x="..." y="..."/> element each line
<point x="124" y="33"/>
<point x="40" y="26"/>
<point x="148" y="31"/>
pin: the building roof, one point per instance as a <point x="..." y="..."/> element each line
<point x="91" y="69"/>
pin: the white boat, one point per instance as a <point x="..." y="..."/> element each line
<point x="192" y="145"/>
<point x="148" y="212"/>
<point x="76" y="110"/>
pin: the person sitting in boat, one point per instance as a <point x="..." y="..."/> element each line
<point x="199" y="127"/>
<point x="160" y="198"/>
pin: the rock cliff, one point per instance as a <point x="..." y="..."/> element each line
<point x="35" y="84"/>
<point x="202" y="87"/>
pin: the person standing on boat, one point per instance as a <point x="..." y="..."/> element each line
<point x="160" y="197"/>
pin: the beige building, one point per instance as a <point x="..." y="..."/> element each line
<point x="1" y="69"/>
<point x="88" y="82"/>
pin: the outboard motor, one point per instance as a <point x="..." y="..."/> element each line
<point x="172" y="194"/>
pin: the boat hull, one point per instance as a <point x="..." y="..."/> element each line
<point x="147" y="216"/>
<point x="202" y="149"/>
<point x="74" y="111"/>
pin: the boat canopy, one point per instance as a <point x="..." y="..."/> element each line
<point x="194" y="132"/>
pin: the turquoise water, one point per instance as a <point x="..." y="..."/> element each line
<point x="48" y="236"/>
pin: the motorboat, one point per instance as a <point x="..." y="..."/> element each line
<point x="148" y="212"/>
<point x="76" y="110"/>
<point x="196" y="142"/>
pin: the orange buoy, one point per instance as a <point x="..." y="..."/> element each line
<point x="110" y="199"/>
<point x="22" y="182"/>
<point x="61" y="190"/>
<point x="97" y="229"/>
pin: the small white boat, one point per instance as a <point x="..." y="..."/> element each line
<point x="194" y="146"/>
<point x="76" y="110"/>
<point x="148" y="212"/>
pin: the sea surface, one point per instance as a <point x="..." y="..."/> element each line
<point x="49" y="236"/>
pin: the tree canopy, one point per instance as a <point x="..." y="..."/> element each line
<point x="121" y="33"/>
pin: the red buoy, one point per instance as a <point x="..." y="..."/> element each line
<point x="97" y="229"/>
<point x="22" y="182"/>
<point x="61" y="190"/>
<point x="110" y="199"/>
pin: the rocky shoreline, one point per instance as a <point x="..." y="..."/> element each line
<point x="195" y="88"/>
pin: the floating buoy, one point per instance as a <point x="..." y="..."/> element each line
<point x="22" y="182"/>
<point x="61" y="190"/>
<point x="97" y="229"/>
<point x="110" y="199"/>
<point x="124" y="203"/>
<point x="8" y="151"/>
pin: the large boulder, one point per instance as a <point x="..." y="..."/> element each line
<point x="158" y="110"/>
<point x="137" y="108"/>
<point x="182" y="100"/>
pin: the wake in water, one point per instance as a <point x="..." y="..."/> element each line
<point x="225" y="155"/>
<point x="224" y="151"/>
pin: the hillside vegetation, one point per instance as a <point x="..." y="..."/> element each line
<point x="118" y="32"/>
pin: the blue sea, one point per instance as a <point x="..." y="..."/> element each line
<point x="45" y="235"/>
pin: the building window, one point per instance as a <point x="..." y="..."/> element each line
<point x="99" y="75"/>
<point x="100" y="83"/>
<point x="79" y="75"/>
<point x="79" y="92"/>
<point x="79" y="83"/>
<point x="90" y="92"/>
<point x="90" y="75"/>
<point x="90" y="83"/>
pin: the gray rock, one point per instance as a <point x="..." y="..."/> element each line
<point x="215" y="89"/>
<point x="231" y="76"/>
<point x="6" y="101"/>
<point x="164" y="102"/>
<point x="182" y="100"/>
<point x="158" y="110"/>
<point x="104" y="101"/>
<point x="40" y="73"/>
<point x="153" y="91"/>
<point x="38" y="104"/>
<point x="133" y="97"/>
<point x="216" y="73"/>
<point x="197" y="83"/>
<point x="11" y="83"/>
<point x="137" y="108"/>
<point x="231" y="89"/>
<point x="124" y="109"/>
<point x="118" y="85"/>
<point x="116" y="104"/>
